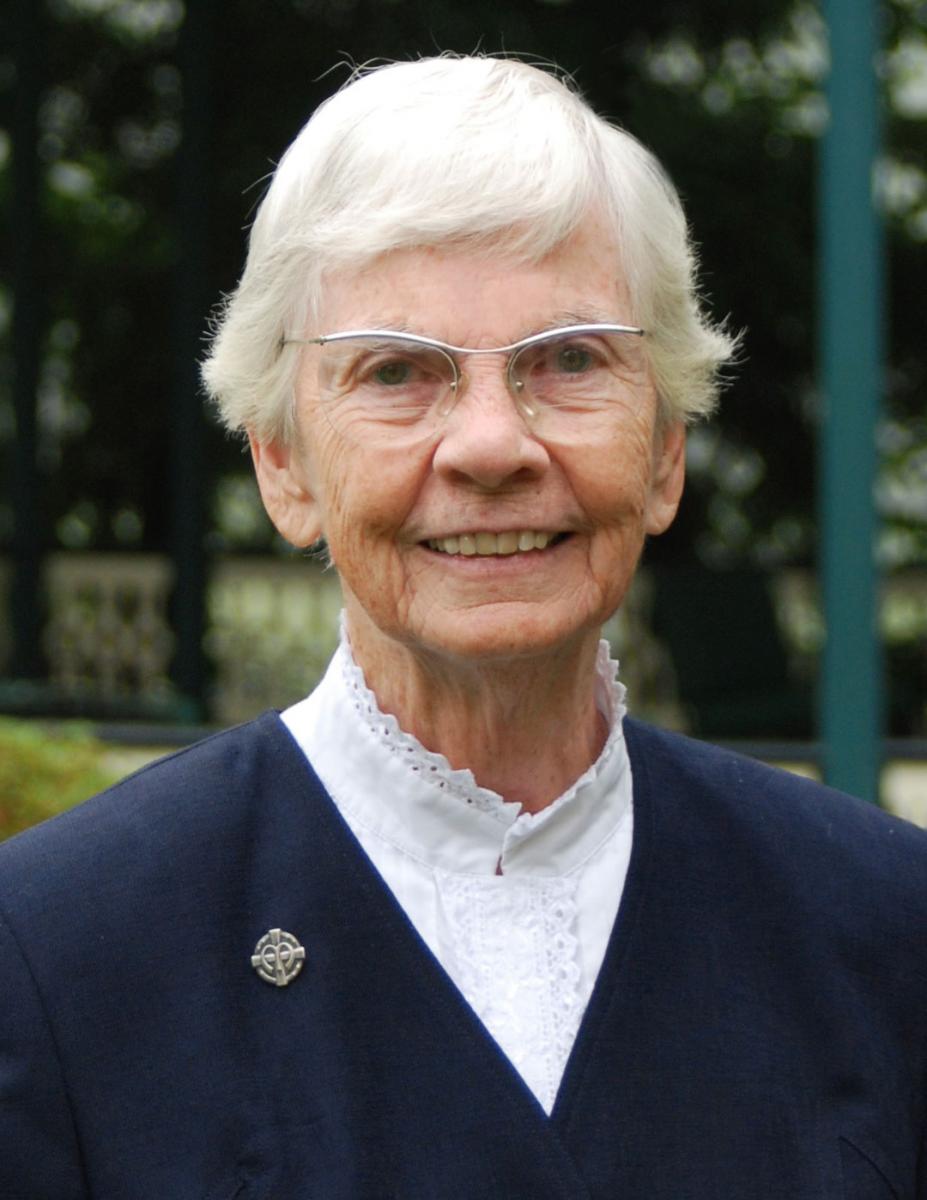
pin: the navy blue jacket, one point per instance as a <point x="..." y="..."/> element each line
<point x="757" y="1031"/>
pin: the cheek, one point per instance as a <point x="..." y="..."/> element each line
<point x="336" y="502"/>
<point x="616" y="479"/>
<point x="365" y="500"/>
<point x="326" y="474"/>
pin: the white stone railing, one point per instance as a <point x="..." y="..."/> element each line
<point x="107" y="635"/>
<point x="271" y="627"/>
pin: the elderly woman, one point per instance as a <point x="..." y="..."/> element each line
<point x="452" y="926"/>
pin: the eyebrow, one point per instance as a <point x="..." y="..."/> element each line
<point x="586" y="315"/>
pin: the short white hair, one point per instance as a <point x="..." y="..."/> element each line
<point x="492" y="153"/>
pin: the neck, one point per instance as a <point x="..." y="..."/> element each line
<point x="527" y="727"/>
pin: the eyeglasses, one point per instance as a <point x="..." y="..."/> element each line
<point x="382" y="385"/>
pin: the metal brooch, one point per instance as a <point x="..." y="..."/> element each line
<point x="278" y="957"/>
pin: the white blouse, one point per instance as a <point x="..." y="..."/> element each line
<point x="524" y="946"/>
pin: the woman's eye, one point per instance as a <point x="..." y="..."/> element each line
<point x="573" y="360"/>
<point x="393" y="374"/>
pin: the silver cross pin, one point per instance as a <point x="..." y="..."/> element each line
<point x="278" y="957"/>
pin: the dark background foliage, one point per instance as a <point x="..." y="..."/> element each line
<point x="726" y="91"/>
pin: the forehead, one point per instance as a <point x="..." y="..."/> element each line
<point x="473" y="297"/>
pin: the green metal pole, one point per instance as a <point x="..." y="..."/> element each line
<point x="29" y="531"/>
<point x="851" y="351"/>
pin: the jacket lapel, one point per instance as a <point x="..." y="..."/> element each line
<point x="683" y="1082"/>
<point x="373" y="1031"/>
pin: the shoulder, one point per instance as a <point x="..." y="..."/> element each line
<point x="734" y="778"/>
<point x="157" y="822"/>
<point x="764" y="817"/>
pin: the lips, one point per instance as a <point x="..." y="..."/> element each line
<point x="519" y="541"/>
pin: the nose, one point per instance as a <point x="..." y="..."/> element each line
<point x="485" y="438"/>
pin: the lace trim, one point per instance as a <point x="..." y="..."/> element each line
<point x="515" y="959"/>
<point x="461" y="783"/>
<point x="392" y="737"/>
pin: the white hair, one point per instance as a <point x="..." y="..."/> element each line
<point x="486" y="152"/>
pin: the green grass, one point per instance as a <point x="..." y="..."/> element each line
<point x="42" y="774"/>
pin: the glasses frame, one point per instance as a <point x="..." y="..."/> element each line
<point x="450" y="351"/>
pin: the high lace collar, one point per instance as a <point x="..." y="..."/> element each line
<point x="413" y="798"/>
<point x="460" y="782"/>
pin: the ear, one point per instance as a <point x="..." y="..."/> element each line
<point x="669" y="475"/>
<point x="288" y="498"/>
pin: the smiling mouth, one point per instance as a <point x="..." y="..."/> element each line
<point x="485" y="544"/>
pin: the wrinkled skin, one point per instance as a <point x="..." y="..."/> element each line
<point x="481" y="640"/>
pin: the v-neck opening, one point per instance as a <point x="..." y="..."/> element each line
<point x="512" y="1094"/>
<point x="613" y="963"/>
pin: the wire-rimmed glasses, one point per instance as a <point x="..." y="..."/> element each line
<point x="389" y="386"/>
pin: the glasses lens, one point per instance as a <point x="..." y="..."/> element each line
<point x="383" y="387"/>
<point x="569" y="381"/>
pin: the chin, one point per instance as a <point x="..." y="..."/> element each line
<point x="496" y="633"/>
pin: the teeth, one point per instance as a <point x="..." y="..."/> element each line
<point x="510" y="542"/>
